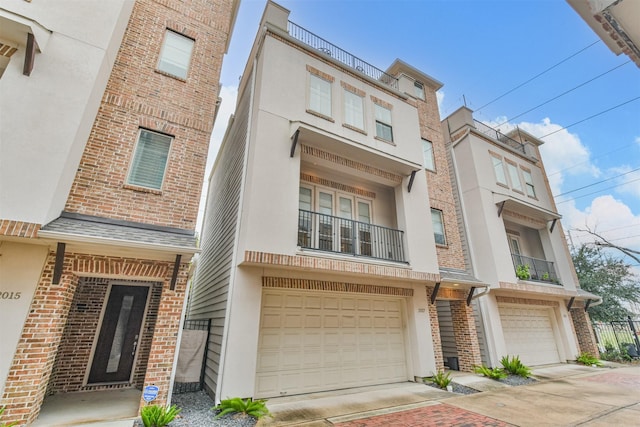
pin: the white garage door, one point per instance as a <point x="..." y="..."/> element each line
<point x="528" y="332"/>
<point x="312" y="342"/>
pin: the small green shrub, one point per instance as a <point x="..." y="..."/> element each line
<point x="522" y="271"/>
<point x="588" y="359"/>
<point x="545" y="276"/>
<point x="158" y="416"/>
<point x="442" y="379"/>
<point x="254" y="408"/>
<point x="493" y="373"/>
<point x="514" y="366"/>
<point x="3" y="424"/>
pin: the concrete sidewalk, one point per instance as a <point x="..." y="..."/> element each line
<point x="565" y="395"/>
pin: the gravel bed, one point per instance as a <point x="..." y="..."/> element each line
<point x="197" y="412"/>
<point x="517" y="380"/>
<point x="457" y="388"/>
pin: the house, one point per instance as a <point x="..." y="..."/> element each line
<point x="517" y="245"/>
<point x="107" y="109"/>
<point x="616" y="22"/>
<point x="335" y="250"/>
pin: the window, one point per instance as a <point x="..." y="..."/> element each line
<point x="353" y="110"/>
<point x="427" y="151"/>
<point x="528" y="183"/>
<point x="175" y="55"/>
<point x="320" y="95"/>
<point x="498" y="169"/>
<point x="383" y="123"/>
<point x="438" y="227"/>
<point x="149" y="160"/>
<point x="418" y="90"/>
<point x="514" y="177"/>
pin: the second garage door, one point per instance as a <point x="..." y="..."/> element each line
<point x="528" y="332"/>
<point x="312" y="341"/>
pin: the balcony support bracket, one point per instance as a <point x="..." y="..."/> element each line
<point x="570" y="303"/>
<point x="434" y="294"/>
<point x="587" y="304"/>
<point x="176" y="269"/>
<point x="57" y="269"/>
<point x="413" y="176"/>
<point x="470" y="296"/>
<point x="553" y="225"/>
<point x="294" y="143"/>
<point x="500" y="208"/>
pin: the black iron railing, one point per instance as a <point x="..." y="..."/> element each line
<point x="499" y="136"/>
<point x="334" y="234"/>
<point x="316" y="42"/>
<point x="528" y="268"/>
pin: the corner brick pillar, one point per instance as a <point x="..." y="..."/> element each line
<point x="435" y="332"/>
<point x="36" y="352"/>
<point x="165" y="335"/>
<point x="466" y="336"/>
<point x="584" y="331"/>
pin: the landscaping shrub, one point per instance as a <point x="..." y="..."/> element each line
<point x="514" y="366"/>
<point x="254" y="408"/>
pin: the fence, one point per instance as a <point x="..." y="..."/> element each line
<point x="192" y="353"/>
<point x="618" y="334"/>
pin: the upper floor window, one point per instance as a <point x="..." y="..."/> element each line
<point x="514" y="176"/>
<point x="528" y="183"/>
<point x="175" y="55"/>
<point x="427" y="152"/>
<point x="418" y="90"/>
<point x="149" y="160"/>
<point x="319" y="95"/>
<point x="383" y="123"/>
<point x="438" y="227"/>
<point x="353" y="109"/>
<point x="498" y="169"/>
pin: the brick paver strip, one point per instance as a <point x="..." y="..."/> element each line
<point x="632" y="381"/>
<point x="441" y="415"/>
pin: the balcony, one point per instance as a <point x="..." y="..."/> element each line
<point x="329" y="233"/>
<point x="499" y="136"/>
<point x="352" y="61"/>
<point x="536" y="269"/>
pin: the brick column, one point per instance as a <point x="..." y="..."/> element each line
<point x="163" y="347"/>
<point x="584" y="331"/>
<point x="435" y="332"/>
<point x="36" y="352"/>
<point x="464" y="329"/>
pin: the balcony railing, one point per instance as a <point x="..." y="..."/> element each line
<point x="538" y="269"/>
<point x="316" y="42"/>
<point x="496" y="134"/>
<point x="334" y="234"/>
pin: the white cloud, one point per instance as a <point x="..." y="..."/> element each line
<point x="629" y="182"/>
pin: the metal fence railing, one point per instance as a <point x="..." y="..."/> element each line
<point x="186" y="387"/>
<point x="496" y="134"/>
<point x="617" y="335"/>
<point x="539" y="269"/>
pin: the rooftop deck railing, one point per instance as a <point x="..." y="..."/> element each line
<point x="496" y="134"/>
<point x="320" y="44"/>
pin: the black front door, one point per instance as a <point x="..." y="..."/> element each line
<point x="119" y="335"/>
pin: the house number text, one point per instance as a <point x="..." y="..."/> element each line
<point x="10" y="295"/>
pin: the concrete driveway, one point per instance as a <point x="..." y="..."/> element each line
<point x="565" y="395"/>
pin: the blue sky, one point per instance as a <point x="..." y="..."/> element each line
<point x="481" y="50"/>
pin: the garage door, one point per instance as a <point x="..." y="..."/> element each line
<point x="312" y="342"/>
<point x="528" y="332"/>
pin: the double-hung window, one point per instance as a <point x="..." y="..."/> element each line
<point x="418" y="90"/>
<point x="175" y="55"/>
<point x="438" y="227"/>
<point x="149" y="160"/>
<point x="498" y="169"/>
<point x="516" y="184"/>
<point x="528" y="183"/>
<point x="353" y="109"/>
<point x="320" y="95"/>
<point x="383" y="123"/>
<point x="427" y="152"/>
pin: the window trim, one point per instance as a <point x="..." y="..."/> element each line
<point x="310" y="109"/>
<point x="432" y="156"/>
<point x="162" y="50"/>
<point x="528" y="183"/>
<point x="345" y="93"/>
<point x="418" y="90"/>
<point x="444" y="231"/>
<point x="132" y="185"/>
<point x="383" y="123"/>
<point x="515" y="185"/>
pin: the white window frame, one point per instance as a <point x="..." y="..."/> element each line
<point x="499" y="170"/>
<point x="385" y="122"/>
<point x="418" y="90"/>
<point x="353" y="116"/>
<point x="441" y="223"/>
<point x="136" y="160"/>
<point x="427" y="153"/>
<point x="175" y="59"/>
<point x="514" y="177"/>
<point x="320" y="100"/>
<point x="528" y="183"/>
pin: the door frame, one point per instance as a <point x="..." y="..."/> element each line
<point x="85" y="380"/>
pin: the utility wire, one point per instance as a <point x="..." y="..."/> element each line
<point x="564" y="93"/>
<point x="536" y="76"/>
<point x="633" y="144"/>
<point x="590" y="117"/>
<point x="599" y="191"/>
<point x="596" y="183"/>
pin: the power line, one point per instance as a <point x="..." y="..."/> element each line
<point x="590" y="117"/>
<point x="599" y="191"/>
<point x="598" y="182"/>
<point x="633" y="144"/>
<point x="565" y="92"/>
<point x="536" y="76"/>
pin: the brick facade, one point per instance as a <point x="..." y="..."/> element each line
<point x="464" y="329"/>
<point x="584" y="331"/>
<point x="435" y="332"/>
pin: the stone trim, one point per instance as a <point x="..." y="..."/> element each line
<point x="322" y="116"/>
<point x="337" y="266"/>
<point x="336" y="185"/>
<point x="361" y="167"/>
<point x="526" y="301"/>
<point x="381" y="103"/>
<point x="321" y="285"/>
<point x="352" y="89"/>
<point x="321" y="74"/>
<point x="517" y="215"/>
<point x="9" y="227"/>
<point x="95" y="266"/>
